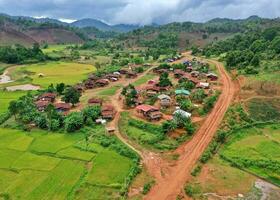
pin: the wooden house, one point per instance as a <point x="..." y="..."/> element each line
<point x="62" y="107"/>
<point x="165" y="100"/>
<point x="179" y="73"/>
<point x="89" y="84"/>
<point x="108" y="112"/>
<point x="42" y="105"/>
<point x="47" y="97"/>
<point x="102" y="82"/>
<point x="203" y="85"/>
<point x="95" y="102"/>
<point x="212" y="76"/>
<point x="131" y="75"/>
<point x="195" y="74"/>
<point x="149" y="112"/>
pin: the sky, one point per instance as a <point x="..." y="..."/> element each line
<point x="141" y="12"/>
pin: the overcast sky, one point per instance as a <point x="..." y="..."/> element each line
<point x="142" y="11"/>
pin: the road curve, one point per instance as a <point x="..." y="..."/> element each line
<point x="171" y="185"/>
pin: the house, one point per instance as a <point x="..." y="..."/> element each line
<point x="123" y="71"/>
<point x="160" y="71"/>
<point x="178" y="73"/>
<point x="95" y="102"/>
<point x="42" y="105"/>
<point x="62" y="107"/>
<point x="189" y="69"/>
<point x="195" y="74"/>
<point x="93" y="77"/>
<point x="79" y="88"/>
<point x="182" y="92"/>
<point x="112" y="77"/>
<point x="212" y="76"/>
<point x="47" y="97"/>
<point x="203" y="85"/>
<point x="152" y="82"/>
<point x="89" y="84"/>
<point x="152" y="90"/>
<point x="131" y="75"/>
<point x="182" y="113"/>
<point x="149" y="112"/>
<point x="117" y="73"/>
<point x="102" y="82"/>
<point x="165" y="100"/>
<point x="108" y="112"/>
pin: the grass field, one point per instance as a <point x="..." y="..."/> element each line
<point x="144" y="79"/>
<point x="6" y="97"/>
<point x="40" y="165"/>
<point x="257" y="150"/>
<point x="152" y="138"/>
<point x="54" y="72"/>
<point x="110" y="91"/>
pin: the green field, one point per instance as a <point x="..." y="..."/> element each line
<point x="110" y="91"/>
<point x="41" y="165"/>
<point x="257" y="150"/>
<point x="6" y="97"/>
<point x="146" y="134"/>
<point x="144" y="79"/>
<point x="54" y="72"/>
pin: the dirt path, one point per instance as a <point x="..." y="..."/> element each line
<point x="171" y="185"/>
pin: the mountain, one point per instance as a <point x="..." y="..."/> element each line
<point x="84" y="23"/>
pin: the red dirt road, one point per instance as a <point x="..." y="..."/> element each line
<point x="169" y="186"/>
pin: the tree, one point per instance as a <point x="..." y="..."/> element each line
<point x="164" y="80"/>
<point x="75" y="54"/>
<point x="130" y="94"/>
<point x="14" y="108"/>
<point x="71" y="95"/>
<point x="198" y="95"/>
<point x="270" y="33"/>
<point x="276" y="45"/>
<point x="60" y="88"/>
<point x="189" y="127"/>
<point x="185" y="104"/>
<point x="255" y="61"/>
<point x="73" y="122"/>
<point x="169" y="126"/>
<point x="41" y="121"/>
<point x="91" y="113"/>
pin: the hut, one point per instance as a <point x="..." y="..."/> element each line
<point x="47" y="97"/>
<point x="131" y="75"/>
<point x="182" y="113"/>
<point x="95" y="102"/>
<point x="102" y="82"/>
<point x="89" y="84"/>
<point x="212" y="76"/>
<point x="195" y="74"/>
<point x="178" y="73"/>
<point x="42" y="105"/>
<point x="182" y="92"/>
<point x="149" y="112"/>
<point x="108" y="112"/>
<point x="165" y="100"/>
<point x="62" y="107"/>
<point x="203" y="85"/>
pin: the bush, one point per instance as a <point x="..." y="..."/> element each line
<point x="54" y="125"/>
<point x="41" y="121"/>
<point x="147" y="187"/>
<point x="73" y="122"/>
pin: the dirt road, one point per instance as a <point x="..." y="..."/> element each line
<point x="171" y="185"/>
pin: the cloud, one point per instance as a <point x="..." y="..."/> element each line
<point x="144" y="11"/>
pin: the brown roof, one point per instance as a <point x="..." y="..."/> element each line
<point x="66" y="106"/>
<point x="179" y="71"/>
<point x="48" y="95"/>
<point x="95" y="100"/>
<point x="153" y="88"/>
<point x="108" y="108"/>
<point x="42" y="104"/>
<point x="102" y="81"/>
<point x="146" y="108"/>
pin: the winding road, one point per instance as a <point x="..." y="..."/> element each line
<point x="171" y="179"/>
<point x="172" y="184"/>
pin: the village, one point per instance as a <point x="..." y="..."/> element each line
<point x="178" y="88"/>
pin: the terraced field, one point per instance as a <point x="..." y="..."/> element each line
<point x="41" y="165"/>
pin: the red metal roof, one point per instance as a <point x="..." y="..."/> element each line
<point x="62" y="106"/>
<point x="146" y="108"/>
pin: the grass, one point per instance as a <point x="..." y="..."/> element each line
<point x="6" y="97"/>
<point x="257" y="151"/>
<point x="54" y="72"/>
<point x="150" y="137"/>
<point x="41" y="165"/>
<point x="110" y="91"/>
<point x="109" y="168"/>
<point x="3" y="67"/>
<point x="144" y="79"/>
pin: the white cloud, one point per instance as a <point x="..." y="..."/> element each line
<point x="142" y="11"/>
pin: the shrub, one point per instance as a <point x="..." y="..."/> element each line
<point x="73" y="122"/>
<point x="147" y="187"/>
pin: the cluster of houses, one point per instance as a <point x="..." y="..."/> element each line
<point x="175" y="58"/>
<point x="48" y="98"/>
<point x="94" y="81"/>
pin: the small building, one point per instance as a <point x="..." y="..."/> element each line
<point x="182" y="113"/>
<point x="123" y="71"/>
<point x="93" y="77"/>
<point x="62" y="107"/>
<point x="79" y="88"/>
<point x="165" y="100"/>
<point x="42" y="105"/>
<point x="195" y="74"/>
<point x="149" y="112"/>
<point x="152" y="82"/>
<point x="102" y="82"/>
<point x="182" y="92"/>
<point x="95" y="102"/>
<point x="117" y="73"/>
<point x="203" y="85"/>
<point x="108" y="112"/>
<point x="89" y="84"/>
<point x="131" y="75"/>
<point x="178" y="73"/>
<point x="212" y="76"/>
<point x="189" y="69"/>
<point x="47" y="97"/>
<point x="152" y="90"/>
